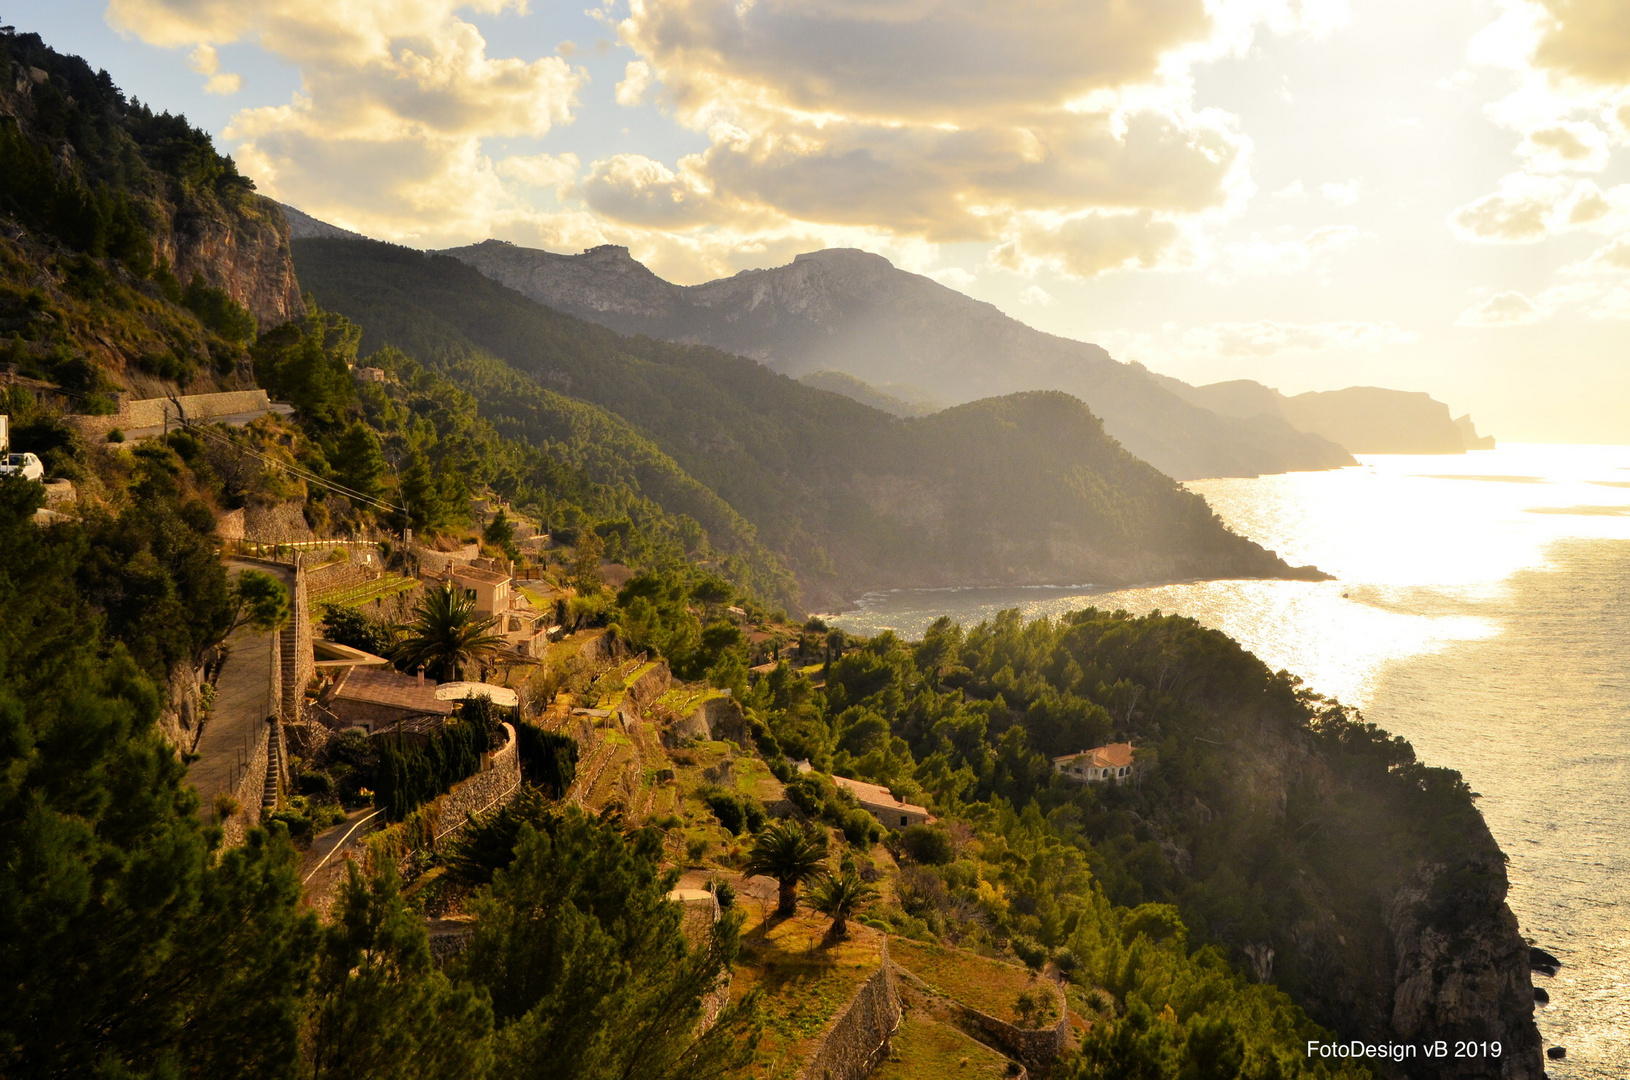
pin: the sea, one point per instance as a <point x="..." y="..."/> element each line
<point x="1480" y="609"/>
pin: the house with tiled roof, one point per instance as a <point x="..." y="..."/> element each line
<point x="1112" y="762"/>
<point x="883" y="804"/>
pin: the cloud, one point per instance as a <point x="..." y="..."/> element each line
<point x="1578" y="146"/>
<point x="397" y="97"/>
<point x="1036" y="296"/>
<point x="637" y="190"/>
<point x="1066" y="134"/>
<point x="1094" y="243"/>
<point x="1586" y="39"/>
<point x="1258" y="256"/>
<point x="1268" y="338"/>
<point x="206" y="61"/>
<point x="1341" y="194"/>
<point x="1612" y="258"/>
<point x="1503" y="309"/>
<point x="636" y="80"/>
<point x="1528" y="208"/>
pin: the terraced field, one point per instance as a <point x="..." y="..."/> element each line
<point x="805" y="983"/>
<point x="990" y="986"/>
<point x="924" y="1049"/>
<point x="366" y="592"/>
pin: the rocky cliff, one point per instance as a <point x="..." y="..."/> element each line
<point x="853" y="312"/>
<point x="107" y="177"/>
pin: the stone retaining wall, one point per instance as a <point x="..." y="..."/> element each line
<point x="341" y="574"/>
<point x="251" y="785"/>
<point x="156" y="412"/>
<point x="485" y="789"/>
<point x="1036" y="1048"/>
<point x="858" y="1039"/>
<point x="439" y="821"/>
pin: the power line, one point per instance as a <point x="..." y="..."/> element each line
<point x="303" y="474"/>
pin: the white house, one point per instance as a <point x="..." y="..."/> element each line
<point x="1112" y="762"/>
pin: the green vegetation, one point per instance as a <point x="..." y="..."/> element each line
<point x="446" y="635"/>
<point x="96" y="227"/>
<point x="840" y="897"/>
<point x="847" y="496"/>
<point x="790" y="853"/>
<point x="408" y="776"/>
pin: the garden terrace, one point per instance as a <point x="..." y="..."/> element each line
<point x="991" y="986"/>
<point x="924" y="1049"/>
<point x="805" y="980"/>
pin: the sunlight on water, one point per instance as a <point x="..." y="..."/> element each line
<point x="1481" y="608"/>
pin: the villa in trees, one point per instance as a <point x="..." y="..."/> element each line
<point x="1112" y="762"/>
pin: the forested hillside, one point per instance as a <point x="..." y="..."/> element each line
<point x="1021" y="490"/>
<point x="1275" y="864"/>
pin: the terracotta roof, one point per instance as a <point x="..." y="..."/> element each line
<point x="874" y="793"/>
<point x="1115" y="756"/>
<point x="392" y="688"/>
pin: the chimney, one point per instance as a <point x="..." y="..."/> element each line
<point x="421" y="674"/>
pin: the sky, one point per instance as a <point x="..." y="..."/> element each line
<point x="1427" y="195"/>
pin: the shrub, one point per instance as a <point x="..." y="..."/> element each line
<point x="735" y="812"/>
<point x="860" y="828"/>
<point x="1029" y="950"/>
<point x="225" y="806"/>
<point x="927" y="844"/>
<point x="116" y="436"/>
<point x="723" y="892"/>
<point x="548" y="758"/>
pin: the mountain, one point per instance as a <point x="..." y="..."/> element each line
<point x="302" y="226"/>
<point x="135" y="258"/>
<point x="853" y="312"/>
<point x="864" y="392"/>
<point x="1364" y="419"/>
<point x="1022" y="489"/>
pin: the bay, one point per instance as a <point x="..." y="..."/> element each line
<point x="1481" y="609"/>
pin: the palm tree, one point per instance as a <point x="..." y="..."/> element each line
<point x="840" y="897"/>
<point x="789" y="853"/>
<point x="446" y="634"/>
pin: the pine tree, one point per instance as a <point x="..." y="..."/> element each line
<point x="590" y="975"/>
<point x="379" y="1009"/>
<point x="129" y="948"/>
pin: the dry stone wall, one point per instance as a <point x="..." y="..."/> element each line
<point x="858" y="1039"/>
<point x="486" y="789"/>
<point x="156" y="412"/>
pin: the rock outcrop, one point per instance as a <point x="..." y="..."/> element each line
<point x="200" y="216"/>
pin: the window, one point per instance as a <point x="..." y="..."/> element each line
<point x="904" y="820"/>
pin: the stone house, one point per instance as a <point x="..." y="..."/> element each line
<point x="883" y="804"/>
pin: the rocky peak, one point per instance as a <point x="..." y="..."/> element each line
<point x="603" y="283"/>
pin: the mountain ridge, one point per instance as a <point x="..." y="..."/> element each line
<point x="1365" y="419"/>
<point x="854" y="312"/>
<point x="1022" y="489"/>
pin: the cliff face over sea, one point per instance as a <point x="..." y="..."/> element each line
<point x="1364" y="419"/>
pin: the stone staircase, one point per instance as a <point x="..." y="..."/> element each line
<point x="272" y="788"/>
<point x="292" y="691"/>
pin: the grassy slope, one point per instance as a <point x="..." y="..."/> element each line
<point x="1024" y="489"/>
